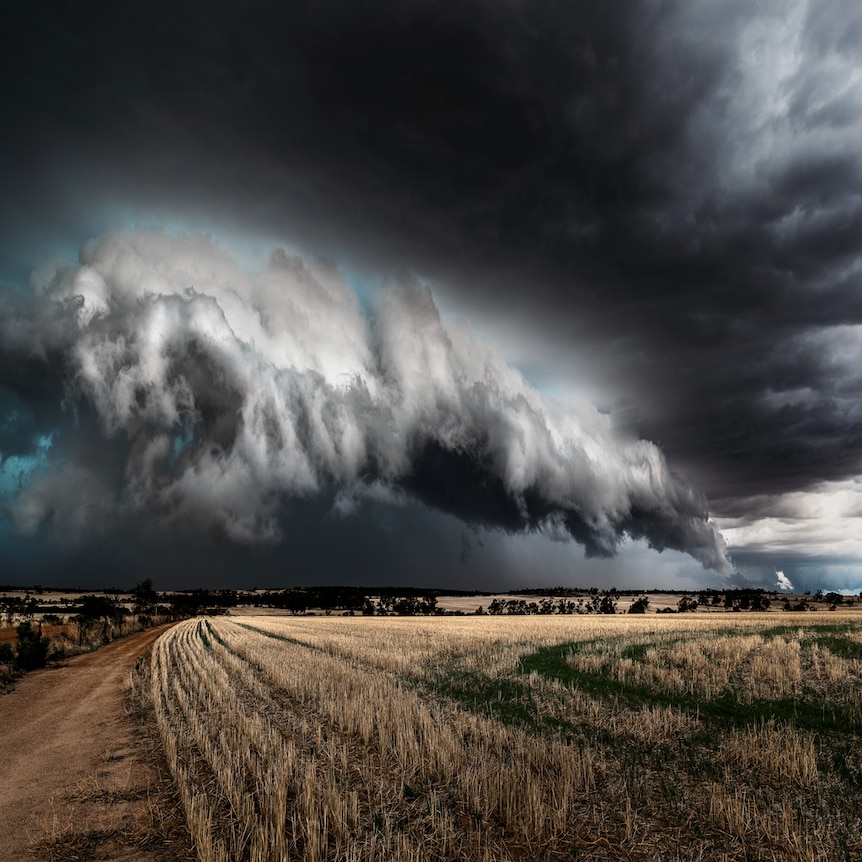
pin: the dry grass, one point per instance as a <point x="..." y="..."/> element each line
<point x="511" y="738"/>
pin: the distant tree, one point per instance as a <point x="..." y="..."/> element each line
<point x="687" y="604"/>
<point x="410" y="605"/>
<point x="97" y="607"/>
<point x="760" y="602"/>
<point x="608" y="604"/>
<point x="93" y="612"/>
<point x="795" y="606"/>
<point x="639" y="606"/>
<point x="144" y="596"/>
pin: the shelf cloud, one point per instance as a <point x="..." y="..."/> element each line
<point x="654" y="208"/>
<point x="225" y="393"/>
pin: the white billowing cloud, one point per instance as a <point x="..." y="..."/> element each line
<point x="237" y="391"/>
<point x="823" y="521"/>
<point x="782" y="582"/>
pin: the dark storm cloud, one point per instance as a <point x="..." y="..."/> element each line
<point x="209" y="399"/>
<point x="670" y="193"/>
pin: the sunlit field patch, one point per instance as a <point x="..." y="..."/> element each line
<point x="515" y="738"/>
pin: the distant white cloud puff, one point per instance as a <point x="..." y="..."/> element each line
<point x="824" y="521"/>
<point x="782" y="582"/>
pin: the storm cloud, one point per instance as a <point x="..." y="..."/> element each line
<point x="225" y="393"/>
<point x="655" y="208"/>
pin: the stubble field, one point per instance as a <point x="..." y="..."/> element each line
<point x="723" y="737"/>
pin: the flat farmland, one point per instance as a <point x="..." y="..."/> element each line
<point x="727" y="737"/>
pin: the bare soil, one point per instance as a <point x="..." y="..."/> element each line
<point x="68" y="630"/>
<point x="79" y="778"/>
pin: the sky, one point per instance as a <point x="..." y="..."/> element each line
<point x="473" y="295"/>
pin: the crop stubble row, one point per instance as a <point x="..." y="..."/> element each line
<point x="321" y="739"/>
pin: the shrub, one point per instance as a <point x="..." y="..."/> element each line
<point x="32" y="649"/>
<point x="639" y="606"/>
<point x="798" y="606"/>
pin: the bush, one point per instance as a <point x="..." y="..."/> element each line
<point x="798" y="606"/>
<point x="604" y="605"/>
<point x="639" y="606"/>
<point x="32" y="649"/>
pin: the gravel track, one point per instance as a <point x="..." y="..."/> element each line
<point x="75" y="765"/>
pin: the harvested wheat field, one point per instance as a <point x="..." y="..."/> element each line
<point x="719" y="737"/>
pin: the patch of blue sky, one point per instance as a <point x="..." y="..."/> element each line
<point x="15" y="417"/>
<point x="362" y="284"/>
<point x="17" y="470"/>
<point x="530" y="358"/>
<point x="540" y="378"/>
<point x="182" y="441"/>
<point x="18" y="268"/>
<point x="25" y="250"/>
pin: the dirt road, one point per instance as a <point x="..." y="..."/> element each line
<point x="75" y="775"/>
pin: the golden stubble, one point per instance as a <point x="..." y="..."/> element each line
<point x="316" y="739"/>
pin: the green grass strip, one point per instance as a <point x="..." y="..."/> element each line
<point x="725" y="709"/>
<point x="201" y="633"/>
